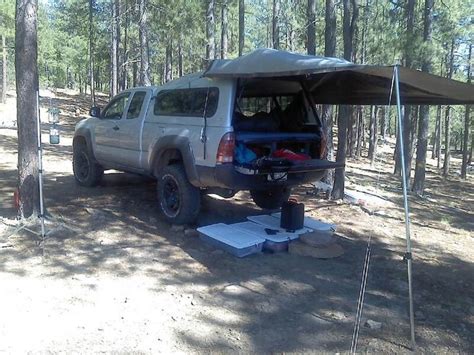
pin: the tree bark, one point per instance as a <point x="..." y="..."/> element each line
<point x="4" y="70"/>
<point x="210" y="32"/>
<point x="180" y="57"/>
<point x="424" y="117"/>
<point x="26" y="72"/>
<point x="125" y="49"/>
<point x="115" y="46"/>
<point x="467" y="123"/>
<point x="169" y="62"/>
<point x="91" y="53"/>
<point x="383" y="122"/>
<point x="447" y="118"/>
<point x="311" y="27"/>
<point x="224" y="30"/>
<point x="345" y="112"/>
<point x="241" y="26"/>
<point x="276" y="25"/>
<point x="373" y="134"/>
<point x="144" y="52"/>
<point x="327" y="110"/>
<point x="360" y="131"/>
<point x="407" y="124"/>
<point x="447" y="141"/>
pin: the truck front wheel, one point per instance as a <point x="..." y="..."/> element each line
<point x="178" y="200"/>
<point x="87" y="171"/>
<point x="270" y="199"/>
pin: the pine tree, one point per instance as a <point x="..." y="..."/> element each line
<point x="311" y="27"/>
<point x="241" y="26"/>
<point x="467" y="122"/>
<point x="27" y="86"/>
<point x="422" y="147"/>
<point x="345" y="112"/>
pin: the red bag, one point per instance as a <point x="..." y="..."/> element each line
<point x="290" y="155"/>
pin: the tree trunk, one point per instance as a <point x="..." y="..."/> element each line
<point x="4" y="70"/>
<point x="210" y="32"/>
<point x="224" y="30"/>
<point x="373" y="134"/>
<point x="169" y="62"/>
<point x="135" y="74"/>
<point x="447" y="141"/>
<point x="115" y="46"/>
<point x="311" y="27"/>
<point x="26" y="71"/>
<point x="125" y="49"/>
<point x="327" y="110"/>
<point x="360" y="131"/>
<point x="447" y="119"/>
<point x="91" y="53"/>
<point x="467" y="123"/>
<point x="180" y="57"/>
<point x="439" y="144"/>
<point x="241" y="26"/>
<point x="345" y="112"/>
<point x="424" y="118"/>
<point x="144" y="52"/>
<point x="408" y="49"/>
<point x="383" y="122"/>
<point x="407" y="117"/>
<point x="276" y="25"/>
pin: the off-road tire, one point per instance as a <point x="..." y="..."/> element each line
<point x="179" y="201"/>
<point x="271" y="199"/>
<point x="87" y="171"/>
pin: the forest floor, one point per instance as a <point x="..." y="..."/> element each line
<point x="114" y="278"/>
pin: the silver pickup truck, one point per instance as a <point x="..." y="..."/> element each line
<point x="198" y="135"/>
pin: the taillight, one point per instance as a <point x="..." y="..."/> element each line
<point x="225" y="152"/>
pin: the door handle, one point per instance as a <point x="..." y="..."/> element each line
<point x="116" y="128"/>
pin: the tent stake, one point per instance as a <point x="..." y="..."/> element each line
<point x="408" y="255"/>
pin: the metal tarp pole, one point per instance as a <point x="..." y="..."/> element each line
<point x="40" y="167"/>
<point x="408" y="255"/>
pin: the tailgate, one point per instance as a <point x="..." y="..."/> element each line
<point x="305" y="166"/>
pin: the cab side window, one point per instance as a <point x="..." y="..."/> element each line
<point x="187" y="102"/>
<point x="136" y="105"/>
<point x="115" y="108"/>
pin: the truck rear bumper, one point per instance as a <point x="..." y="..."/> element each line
<point x="226" y="176"/>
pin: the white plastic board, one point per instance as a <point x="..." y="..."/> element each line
<point x="259" y="230"/>
<point x="236" y="238"/>
<point x="274" y="223"/>
<point x="312" y="223"/>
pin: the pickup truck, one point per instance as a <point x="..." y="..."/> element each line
<point x="199" y="135"/>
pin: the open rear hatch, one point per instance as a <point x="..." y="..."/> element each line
<point x="277" y="130"/>
<point x="278" y="153"/>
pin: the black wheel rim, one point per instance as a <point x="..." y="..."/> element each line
<point x="82" y="166"/>
<point x="171" y="202"/>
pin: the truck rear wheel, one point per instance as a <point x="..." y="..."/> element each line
<point x="270" y="199"/>
<point x="87" y="171"/>
<point x="178" y="200"/>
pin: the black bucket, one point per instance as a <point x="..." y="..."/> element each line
<point x="292" y="215"/>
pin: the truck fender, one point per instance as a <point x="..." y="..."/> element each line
<point x="170" y="148"/>
<point x="84" y="133"/>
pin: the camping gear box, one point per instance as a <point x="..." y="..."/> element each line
<point x="275" y="240"/>
<point x="235" y="241"/>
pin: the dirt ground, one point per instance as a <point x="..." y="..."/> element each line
<point x="112" y="277"/>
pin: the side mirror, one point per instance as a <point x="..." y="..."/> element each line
<point x="94" y="111"/>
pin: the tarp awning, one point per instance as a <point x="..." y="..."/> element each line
<point x="337" y="81"/>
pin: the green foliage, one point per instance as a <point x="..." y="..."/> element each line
<point x="380" y="37"/>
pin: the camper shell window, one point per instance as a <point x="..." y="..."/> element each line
<point x="187" y="102"/>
